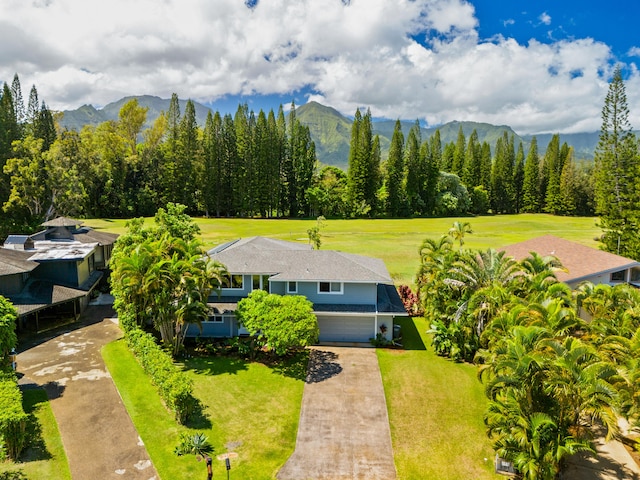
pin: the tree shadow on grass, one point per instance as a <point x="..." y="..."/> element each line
<point x="215" y="365"/>
<point x="33" y="399"/>
<point x="411" y="339"/>
<point x="292" y="366"/>
<point x="199" y="419"/>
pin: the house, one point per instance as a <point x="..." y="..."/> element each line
<point x="353" y="296"/>
<point x="52" y="273"/>
<point x="581" y="262"/>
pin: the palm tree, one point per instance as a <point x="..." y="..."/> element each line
<point x="581" y="382"/>
<point x="436" y="257"/>
<point x="459" y="230"/>
<point x="478" y="275"/>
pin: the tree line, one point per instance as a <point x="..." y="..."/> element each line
<point x="265" y="165"/>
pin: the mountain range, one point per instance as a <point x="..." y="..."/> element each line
<point x="331" y="130"/>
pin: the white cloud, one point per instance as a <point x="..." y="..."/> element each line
<point x="634" y="52"/>
<point x="402" y="58"/>
<point x="545" y="18"/>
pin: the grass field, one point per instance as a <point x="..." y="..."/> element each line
<point x="250" y="409"/>
<point x="45" y="457"/>
<point x="396" y="241"/>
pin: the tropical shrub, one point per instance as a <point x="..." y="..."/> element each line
<point x="278" y="323"/>
<point x="13" y="419"/>
<point x="8" y="338"/>
<point x="410" y="301"/>
<point x="196" y="443"/>
<point x="175" y="388"/>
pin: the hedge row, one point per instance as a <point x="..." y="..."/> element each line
<point x="13" y="419"/>
<point x="175" y="388"/>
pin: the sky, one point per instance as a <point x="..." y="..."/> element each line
<point x="539" y="66"/>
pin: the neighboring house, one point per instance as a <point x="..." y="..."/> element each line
<point x="582" y="263"/>
<point x="353" y="296"/>
<point x="53" y="272"/>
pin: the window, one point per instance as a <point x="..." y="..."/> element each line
<point x="215" y="318"/>
<point x="233" y="281"/>
<point x="260" y="282"/>
<point x="292" y="287"/>
<point x="618" y="276"/>
<point x="330" y="287"/>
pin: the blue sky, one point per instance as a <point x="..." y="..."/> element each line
<point x="550" y="21"/>
<point x="538" y="66"/>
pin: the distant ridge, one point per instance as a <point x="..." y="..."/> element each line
<point x="331" y="130"/>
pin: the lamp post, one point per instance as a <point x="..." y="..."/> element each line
<point x="227" y="462"/>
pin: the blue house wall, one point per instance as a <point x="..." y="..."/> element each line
<point x="62" y="272"/>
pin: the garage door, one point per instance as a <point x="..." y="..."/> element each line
<point x="346" y="329"/>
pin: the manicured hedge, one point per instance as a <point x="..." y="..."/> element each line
<point x="175" y="388"/>
<point x="13" y="419"/>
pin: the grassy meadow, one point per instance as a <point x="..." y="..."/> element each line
<point x="396" y="241"/>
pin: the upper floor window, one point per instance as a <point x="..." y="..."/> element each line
<point x="292" y="287"/>
<point x="330" y="287"/>
<point x="260" y="282"/>
<point x="233" y="281"/>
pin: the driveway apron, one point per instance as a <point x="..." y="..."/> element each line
<point x="98" y="436"/>
<point x="344" y="427"/>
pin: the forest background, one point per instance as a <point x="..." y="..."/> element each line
<point x="266" y="166"/>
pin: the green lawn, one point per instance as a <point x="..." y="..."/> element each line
<point x="45" y="457"/>
<point x="435" y="412"/>
<point x="395" y="241"/>
<point x="250" y="409"/>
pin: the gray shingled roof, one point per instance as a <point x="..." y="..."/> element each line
<point x="62" y="222"/>
<point x="40" y="294"/>
<point x="89" y="235"/>
<point x="294" y="261"/>
<point x="580" y="261"/>
<point x="15" y="261"/>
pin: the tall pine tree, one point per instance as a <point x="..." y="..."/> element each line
<point x="616" y="174"/>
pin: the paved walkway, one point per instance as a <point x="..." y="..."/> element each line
<point x="613" y="462"/>
<point x="344" y="428"/>
<point x="98" y="436"/>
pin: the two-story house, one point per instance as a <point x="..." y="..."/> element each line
<point x="353" y="296"/>
<point x="53" y="272"/>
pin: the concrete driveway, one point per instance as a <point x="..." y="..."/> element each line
<point x="344" y="428"/>
<point x="97" y="433"/>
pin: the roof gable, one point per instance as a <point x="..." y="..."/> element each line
<point x="579" y="260"/>
<point x="295" y="261"/>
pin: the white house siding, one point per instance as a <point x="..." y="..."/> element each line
<point x="336" y="328"/>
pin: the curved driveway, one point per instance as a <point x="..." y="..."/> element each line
<point x="344" y="427"/>
<point x="97" y="433"/>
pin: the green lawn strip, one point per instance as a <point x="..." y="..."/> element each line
<point x="435" y="409"/>
<point x="45" y="456"/>
<point x="249" y="407"/>
<point x="396" y="241"/>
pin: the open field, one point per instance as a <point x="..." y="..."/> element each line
<point x="396" y="241"/>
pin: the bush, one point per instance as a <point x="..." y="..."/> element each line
<point x="411" y="301"/>
<point x="176" y="389"/>
<point x="13" y="419"/>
